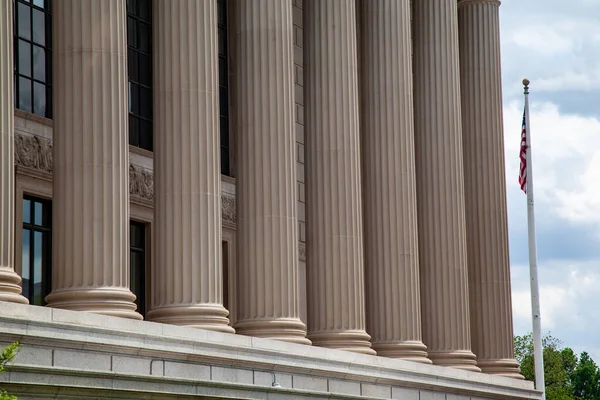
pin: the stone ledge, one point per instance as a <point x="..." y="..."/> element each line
<point x="56" y="383"/>
<point x="103" y="337"/>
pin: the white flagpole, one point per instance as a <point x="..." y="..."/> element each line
<point x="533" y="268"/>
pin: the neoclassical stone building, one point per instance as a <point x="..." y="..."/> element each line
<point x="254" y="199"/>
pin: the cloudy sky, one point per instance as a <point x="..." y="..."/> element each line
<point x="556" y="44"/>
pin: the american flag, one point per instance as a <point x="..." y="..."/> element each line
<point x="523" y="156"/>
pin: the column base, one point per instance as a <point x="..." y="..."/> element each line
<point x="10" y="288"/>
<point x="112" y="301"/>
<point x="410" y="350"/>
<point x="355" y="341"/>
<point x="460" y="359"/>
<point x="212" y="317"/>
<point x="290" y="330"/>
<point x="504" y="367"/>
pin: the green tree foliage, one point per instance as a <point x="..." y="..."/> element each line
<point x="7" y="355"/>
<point x="566" y="377"/>
<point x="586" y="378"/>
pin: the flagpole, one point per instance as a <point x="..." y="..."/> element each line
<point x="533" y="267"/>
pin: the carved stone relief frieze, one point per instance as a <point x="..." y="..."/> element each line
<point x="33" y="152"/>
<point x="228" y="208"/>
<point x="141" y="182"/>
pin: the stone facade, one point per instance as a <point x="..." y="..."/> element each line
<point x="339" y="231"/>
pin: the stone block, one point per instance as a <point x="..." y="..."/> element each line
<point x="131" y="365"/>
<point x="187" y="371"/>
<point x="344" y="387"/>
<point x="232" y="375"/>
<point x="300" y="119"/>
<point x="298" y="55"/>
<point x="301" y="192"/>
<point x="299" y="94"/>
<point x="82" y="360"/>
<point x="305" y="382"/>
<point x="33" y="355"/>
<point x="405" y="394"/>
<point x="299" y="128"/>
<point x="301" y="151"/>
<point x="429" y="395"/>
<point x="457" y="397"/>
<point x="157" y="367"/>
<point x="297" y="16"/>
<point x="376" y="391"/>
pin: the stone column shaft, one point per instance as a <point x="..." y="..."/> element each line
<point x="335" y="276"/>
<point x="188" y="275"/>
<point x="91" y="159"/>
<point x="10" y="290"/>
<point x="485" y="187"/>
<point x="267" y="221"/>
<point x="440" y="185"/>
<point x="391" y="250"/>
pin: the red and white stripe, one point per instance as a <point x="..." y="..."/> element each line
<point x="523" y="157"/>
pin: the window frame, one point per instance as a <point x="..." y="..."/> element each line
<point x="18" y="75"/>
<point x="138" y="137"/>
<point x="223" y="57"/>
<point x="46" y="230"/>
<point x="141" y="301"/>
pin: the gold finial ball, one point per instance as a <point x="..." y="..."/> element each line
<point x="526" y="82"/>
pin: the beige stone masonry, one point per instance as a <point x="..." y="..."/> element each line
<point x="187" y="277"/>
<point x="440" y="185"/>
<point x="391" y="251"/>
<point x="91" y="159"/>
<point x="266" y="195"/>
<point x="10" y="289"/>
<point x="485" y="187"/>
<point x="335" y="276"/>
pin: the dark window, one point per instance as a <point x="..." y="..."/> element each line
<point x="137" y="264"/>
<point x="223" y="86"/>
<point x="225" y="267"/>
<point x="36" y="250"/>
<point x="139" y="59"/>
<point x="33" y="56"/>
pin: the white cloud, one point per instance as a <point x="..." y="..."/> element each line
<point x="566" y="291"/>
<point x="586" y="81"/>
<point x="566" y="161"/>
<point x="543" y="39"/>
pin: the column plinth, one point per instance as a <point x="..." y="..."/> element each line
<point x="334" y="247"/>
<point x="188" y="273"/>
<point x="91" y="159"/>
<point x="391" y="250"/>
<point x="266" y="194"/>
<point x="10" y="288"/>
<point x="485" y="188"/>
<point x="440" y="185"/>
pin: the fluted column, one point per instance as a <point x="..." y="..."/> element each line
<point x="91" y="159"/>
<point x="485" y="187"/>
<point x="267" y="221"/>
<point x="335" y="276"/>
<point x="188" y="276"/>
<point x="10" y="289"/>
<point x="391" y="251"/>
<point x="440" y="185"/>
